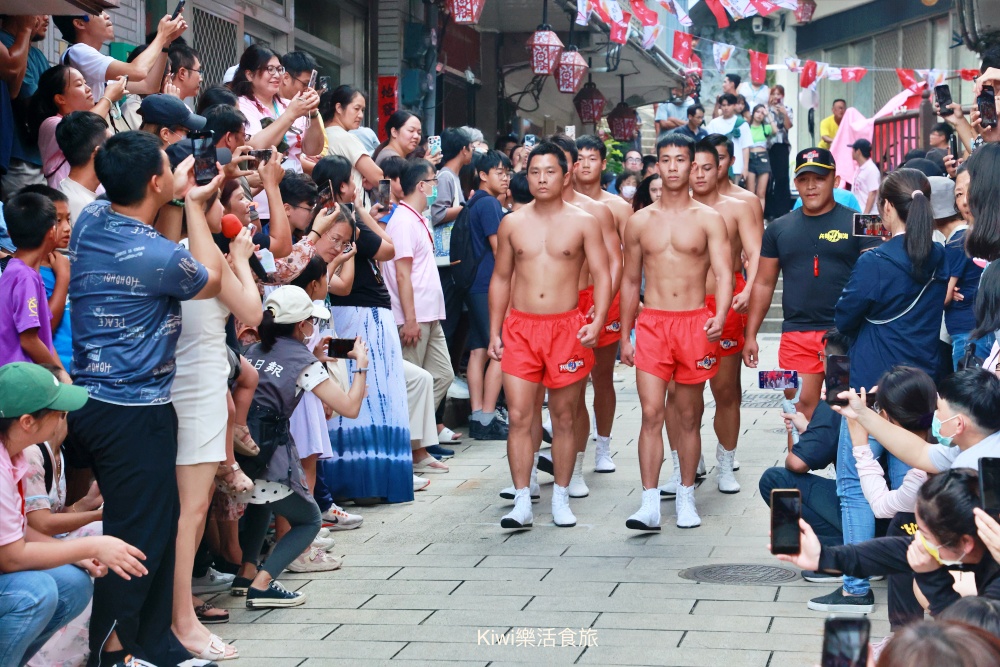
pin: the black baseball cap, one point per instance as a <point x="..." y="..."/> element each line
<point x="815" y="160"/>
<point x="169" y="111"/>
<point x="177" y="152"/>
<point x="862" y="145"/>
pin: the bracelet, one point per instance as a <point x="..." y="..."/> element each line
<point x="314" y="113"/>
<point x="360" y="370"/>
<point x="179" y="203"/>
<point x="313" y="231"/>
<point x="105" y="97"/>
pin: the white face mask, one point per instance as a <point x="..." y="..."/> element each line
<point x="628" y="191"/>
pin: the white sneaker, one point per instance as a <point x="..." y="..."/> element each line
<point x="669" y="490"/>
<point x="419" y="483"/>
<point x="577" y="485"/>
<point x="602" y="455"/>
<point x="534" y="491"/>
<point x="459" y="389"/>
<point x="562" y="515"/>
<point x="324" y="543"/>
<point x="724" y="473"/>
<point x="341" y="520"/>
<point x="687" y="513"/>
<point x="520" y="516"/>
<point x="648" y="516"/>
<point x="213" y="582"/>
<point x="314" y="559"/>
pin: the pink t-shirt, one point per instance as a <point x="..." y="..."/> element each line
<point x="412" y="239"/>
<point x="255" y="112"/>
<point x="12" y="473"/>
<point x="865" y="181"/>
<point x="54" y="164"/>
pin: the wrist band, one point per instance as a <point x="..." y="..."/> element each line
<point x="179" y="203"/>
<point x="361" y="370"/>
<point x="313" y="231"/>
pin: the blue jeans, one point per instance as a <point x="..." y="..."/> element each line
<point x="856" y="514"/>
<point x="33" y="605"/>
<point x="820" y="504"/>
<point x="958" y="342"/>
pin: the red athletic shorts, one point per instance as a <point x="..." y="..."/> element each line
<point x="673" y="345"/>
<point x="544" y="348"/>
<point x="611" y="334"/>
<point x="733" y="330"/>
<point x="799" y="351"/>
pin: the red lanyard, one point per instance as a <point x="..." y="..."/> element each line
<point x="421" y="219"/>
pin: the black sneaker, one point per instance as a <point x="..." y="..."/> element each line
<point x="439" y="452"/>
<point x="839" y="602"/>
<point x="545" y="463"/>
<point x="821" y="577"/>
<point x="495" y="430"/>
<point x="240" y="586"/>
<point x="275" y="595"/>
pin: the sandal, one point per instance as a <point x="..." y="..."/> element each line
<point x="449" y="437"/>
<point x="233" y="482"/>
<point x="243" y="442"/>
<point x="202" y="612"/>
<point x="217" y="650"/>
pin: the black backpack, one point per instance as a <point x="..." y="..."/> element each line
<point x="464" y="260"/>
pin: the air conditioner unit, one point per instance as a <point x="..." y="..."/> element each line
<point x="980" y="20"/>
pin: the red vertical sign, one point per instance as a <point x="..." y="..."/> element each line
<point x="388" y="102"/>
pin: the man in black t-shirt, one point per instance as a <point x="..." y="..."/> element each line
<point x="815" y="248"/>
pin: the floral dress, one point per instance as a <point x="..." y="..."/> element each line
<point x="70" y="645"/>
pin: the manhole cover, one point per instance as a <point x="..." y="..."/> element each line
<point x="759" y="400"/>
<point x="745" y="574"/>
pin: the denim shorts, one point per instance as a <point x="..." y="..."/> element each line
<point x="759" y="164"/>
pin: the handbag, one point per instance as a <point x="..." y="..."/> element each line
<point x="969" y="359"/>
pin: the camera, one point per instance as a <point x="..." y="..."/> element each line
<point x="759" y="24"/>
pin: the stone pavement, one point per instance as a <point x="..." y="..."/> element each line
<point x="438" y="582"/>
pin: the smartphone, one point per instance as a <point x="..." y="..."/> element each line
<point x="177" y="9"/>
<point x="989" y="485"/>
<point x="324" y="84"/>
<point x="205" y="159"/>
<point x="530" y="141"/>
<point x="867" y="224"/>
<point x="340" y="347"/>
<point x="942" y="94"/>
<point x="312" y="79"/>
<point x="845" y="641"/>
<point x="433" y="144"/>
<point x="778" y="379"/>
<point x="987" y="102"/>
<point x="786" y="508"/>
<point x="838" y="377"/>
<point x="263" y="155"/>
<point x="325" y="197"/>
<point x="953" y="145"/>
<point x="384" y="192"/>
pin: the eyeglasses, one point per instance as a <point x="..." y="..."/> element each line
<point x="305" y="84"/>
<point x="193" y="71"/>
<point x="305" y="208"/>
<point x="430" y="180"/>
<point x="273" y="69"/>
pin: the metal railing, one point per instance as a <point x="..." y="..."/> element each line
<point x="896" y="135"/>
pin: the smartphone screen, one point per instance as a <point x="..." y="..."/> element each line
<point x="263" y="155"/>
<point x="987" y="102"/>
<point x="340" y="347"/>
<point x="778" y="379"/>
<point x="177" y="10"/>
<point x="324" y="83"/>
<point x="953" y="145"/>
<point x="325" y="197"/>
<point x="845" y="642"/>
<point x="989" y="485"/>
<point x="838" y="377"/>
<point x="433" y="144"/>
<point x="384" y="192"/>
<point x="205" y="159"/>
<point x="869" y="225"/>
<point x="312" y="79"/>
<point x="530" y="141"/>
<point x="786" y="508"/>
<point x="942" y="94"/>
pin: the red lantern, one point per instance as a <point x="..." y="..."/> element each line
<point x="570" y="71"/>
<point x="465" y="12"/>
<point x="804" y="12"/>
<point x="589" y="103"/>
<point x="623" y="121"/>
<point x="545" y="49"/>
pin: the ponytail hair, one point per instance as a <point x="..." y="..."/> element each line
<point x="945" y="503"/>
<point x="909" y="192"/>
<point x="987" y="304"/>
<point x="270" y="331"/>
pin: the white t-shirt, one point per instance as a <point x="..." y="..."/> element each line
<point x="670" y="110"/>
<point x="865" y="181"/>
<point x="753" y="94"/>
<point x="78" y="196"/>
<point x="93" y="65"/>
<point x="343" y="143"/>
<point x="743" y="140"/>
<point x="944" y="458"/>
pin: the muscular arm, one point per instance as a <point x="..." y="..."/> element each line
<point x="720" y="255"/>
<point x="503" y="272"/>
<point x="604" y="272"/>
<point x="761" y="292"/>
<point x="14" y="61"/>
<point x="613" y="247"/>
<point x="631" y="278"/>
<point x="751" y="234"/>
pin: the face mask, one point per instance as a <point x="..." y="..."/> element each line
<point x="936" y="423"/>
<point x="628" y="191"/>
<point x="935" y="552"/>
<point x="432" y="197"/>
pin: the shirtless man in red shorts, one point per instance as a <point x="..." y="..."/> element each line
<point x="744" y="238"/>
<point x="676" y="240"/>
<point x="724" y="146"/>
<point x="546" y="340"/>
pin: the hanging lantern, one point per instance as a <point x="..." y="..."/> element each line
<point x="545" y="46"/>
<point x="589" y="103"/>
<point x="804" y="11"/>
<point x="465" y="12"/>
<point x="623" y="120"/>
<point x="570" y="71"/>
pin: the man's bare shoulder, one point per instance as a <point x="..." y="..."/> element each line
<point x="706" y="214"/>
<point x="643" y="216"/>
<point x="615" y="202"/>
<point x="592" y="206"/>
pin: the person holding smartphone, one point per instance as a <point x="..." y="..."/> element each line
<point x="867" y="178"/>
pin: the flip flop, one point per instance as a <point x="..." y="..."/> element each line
<point x="449" y="437"/>
<point x="217" y="650"/>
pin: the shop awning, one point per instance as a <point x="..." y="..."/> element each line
<point x="57" y="7"/>
<point x="651" y="72"/>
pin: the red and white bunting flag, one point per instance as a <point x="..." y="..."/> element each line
<point x="808" y="75"/>
<point x="969" y="74"/>
<point x="619" y="29"/>
<point x="758" y="67"/>
<point x="647" y="17"/>
<point x="934" y="77"/>
<point x="583" y="10"/>
<point x="764" y="7"/>
<point x="793" y="65"/>
<point x="719" y="12"/>
<point x="722" y="53"/>
<point x="682" y="47"/>
<point x="852" y="74"/>
<point x="908" y="79"/>
<point x="651" y="33"/>
<point x="821" y="70"/>
<point x="787" y="4"/>
<point x="674" y="8"/>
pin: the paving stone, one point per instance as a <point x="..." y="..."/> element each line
<point x="277" y="648"/>
<point x="299" y="615"/>
<point x="517" y="619"/>
<point x="676" y="657"/>
<point x="719" y="623"/>
<point x="474" y="651"/>
<point x="499" y="602"/>
<point x="765" y="641"/>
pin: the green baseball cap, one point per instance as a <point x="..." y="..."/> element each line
<point x="27" y="388"/>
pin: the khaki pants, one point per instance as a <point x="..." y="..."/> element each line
<point x="431" y="354"/>
<point x="420" y="400"/>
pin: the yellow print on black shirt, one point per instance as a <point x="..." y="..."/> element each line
<point x="833" y="236"/>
